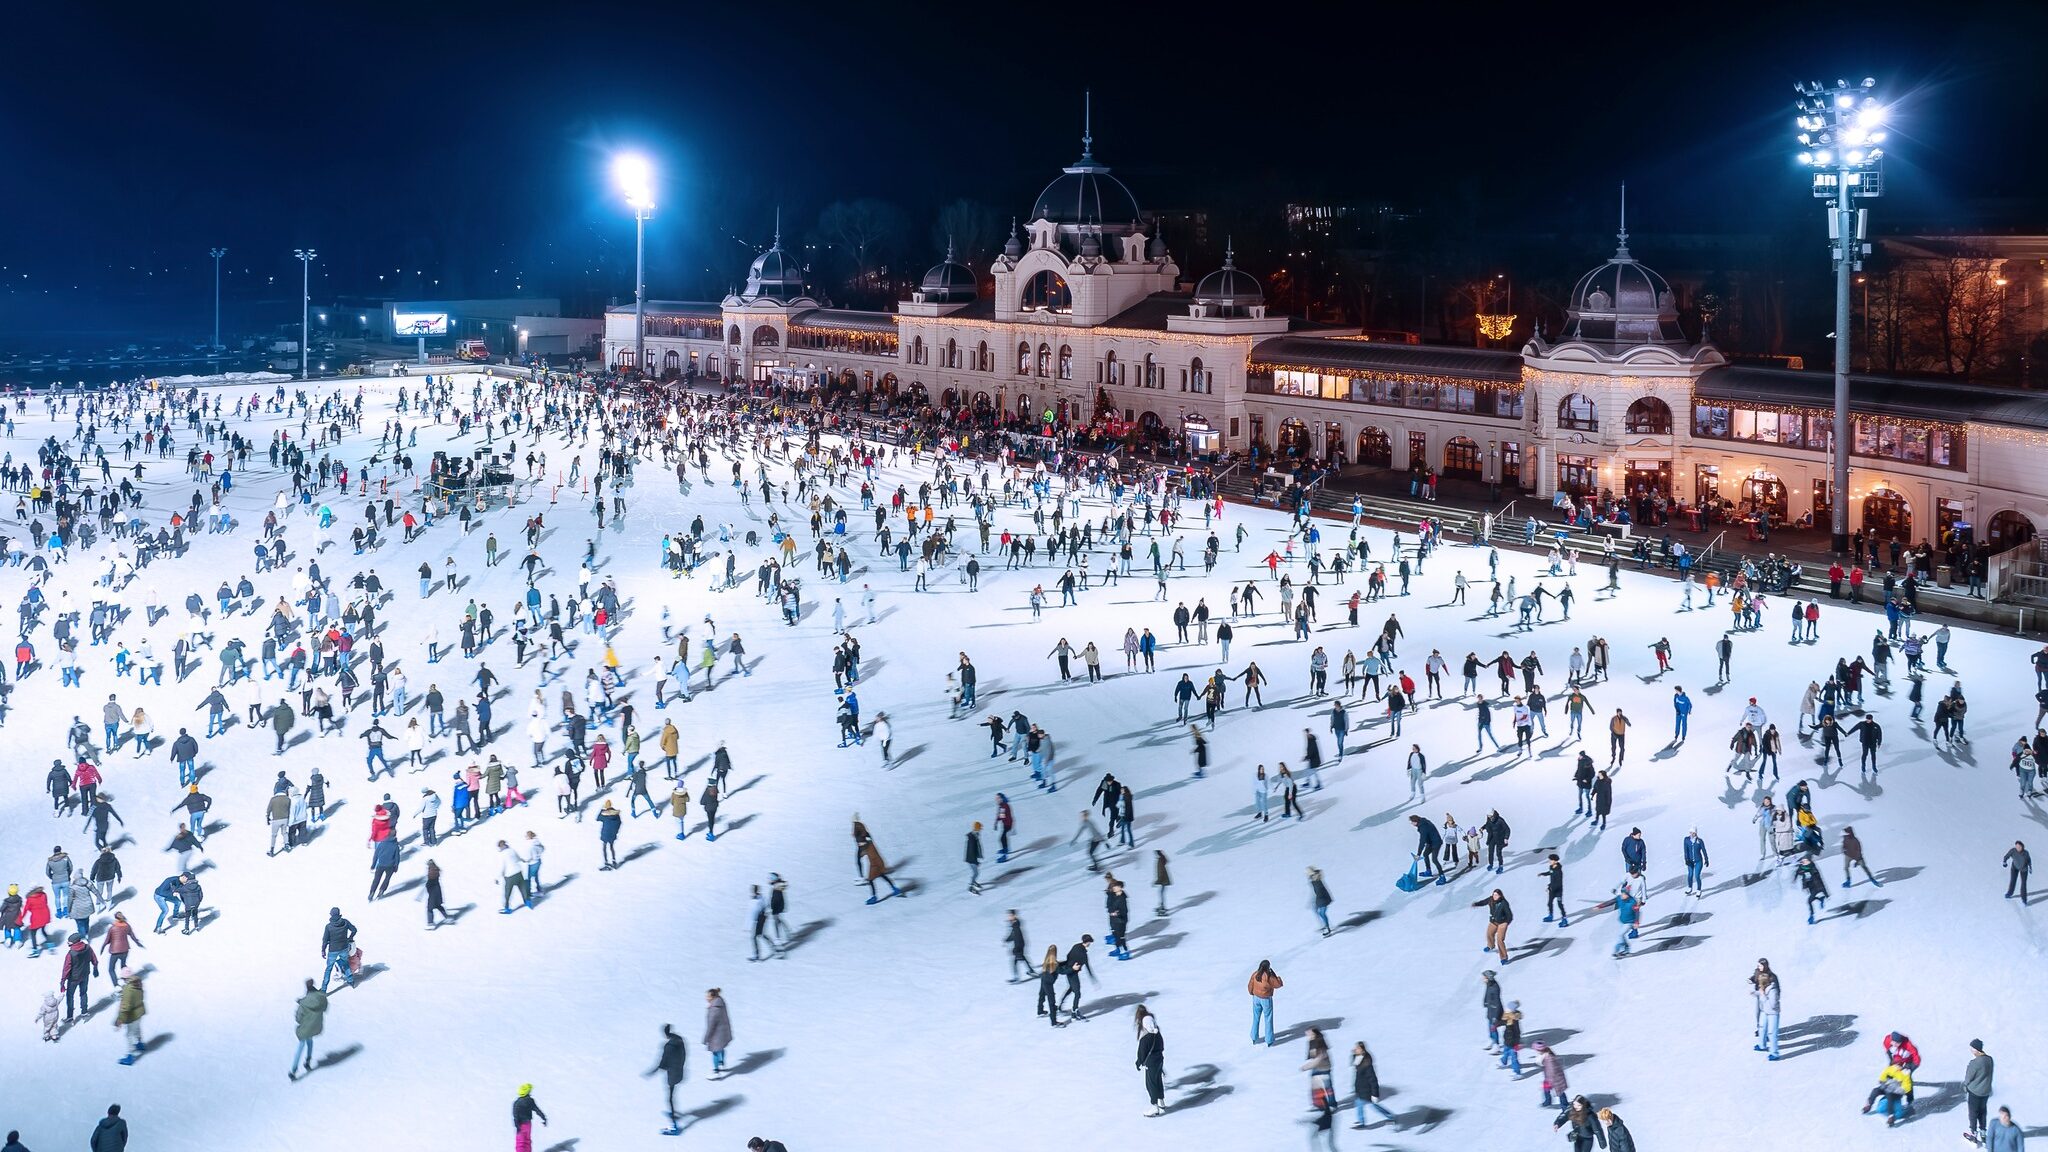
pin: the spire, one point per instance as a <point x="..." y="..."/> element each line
<point x="949" y="248"/>
<point x="1229" y="252"/>
<point x="1087" y="124"/>
<point x="1621" y="237"/>
<point x="778" y="227"/>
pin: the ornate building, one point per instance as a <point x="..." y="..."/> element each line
<point x="1090" y="322"/>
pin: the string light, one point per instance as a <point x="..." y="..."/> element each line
<point x="1496" y="326"/>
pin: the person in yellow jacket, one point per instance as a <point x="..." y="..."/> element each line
<point x="1893" y="1086"/>
<point x="671" y="747"/>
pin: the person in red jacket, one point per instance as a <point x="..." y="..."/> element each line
<point x="35" y="916"/>
<point x="1900" y="1050"/>
<point x="380" y="824"/>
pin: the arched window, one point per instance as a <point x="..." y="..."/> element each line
<point x="765" y="337"/>
<point x="982" y="361"/>
<point x="1044" y="360"/>
<point x="1023" y="359"/>
<point x="671" y="362"/>
<point x="1066" y="362"/>
<point x="1648" y="417"/>
<point x="1047" y="292"/>
<point x="917" y="350"/>
<point x="952" y="355"/>
<point x="1112" y="371"/>
<point x="1577" y="412"/>
<point x="732" y="335"/>
<point x="1151" y="372"/>
<point x="1198" y="381"/>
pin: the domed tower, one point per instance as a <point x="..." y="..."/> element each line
<point x="1609" y="397"/>
<point x="1225" y="301"/>
<point x="774" y="274"/>
<point x="1228" y="293"/>
<point x="1621" y="311"/>
<point x="948" y="286"/>
<point x="1086" y="255"/>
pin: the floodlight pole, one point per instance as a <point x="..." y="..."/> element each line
<point x="217" y="253"/>
<point x="305" y="256"/>
<point x="640" y="289"/>
<point x="1847" y="253"/>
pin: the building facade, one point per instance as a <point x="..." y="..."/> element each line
<point x="1091" y="323"/>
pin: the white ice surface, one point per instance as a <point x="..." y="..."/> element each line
<point x="892" y="1026"/>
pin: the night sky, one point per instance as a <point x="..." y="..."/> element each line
<point x="470" y="145"/>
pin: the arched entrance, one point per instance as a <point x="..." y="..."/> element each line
<point x="888" y="385"/>
<point x="1461" y="458"/>
<point x="1333" y="442"/>
<point x="1887" y="516"/>
<point x="1151" y="426"/>
<point x="1763" y="491"/>
<point x="671" y="363"/>
<point x="947" y="398"/>
<point x="1376" y="448"/>
<point x="2008" y="529"/>
<point x="1293" y="439"/>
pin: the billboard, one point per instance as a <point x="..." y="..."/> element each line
<point x="408" y="324"/>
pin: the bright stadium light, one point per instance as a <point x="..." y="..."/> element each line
<point x="635" y="177"/>
<point x="1840" y="132"/>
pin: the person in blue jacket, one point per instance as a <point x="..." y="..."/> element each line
<point x="1695" y="863"/>
<point x="1681" y="707"/>
<point x="1635" y="853"/>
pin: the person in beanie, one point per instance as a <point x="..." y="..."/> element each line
<point x="674" y="1056"/>
<point x="524" y="1109"/>
<point x="1977" y="1088"/>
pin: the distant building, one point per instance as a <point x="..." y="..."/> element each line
<point x="1091" y="324"/>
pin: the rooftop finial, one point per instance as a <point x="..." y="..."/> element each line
<point x="778" y="226"/>
<point x="949" y="248"/>
<point x="1621" y="237"/>
<point x="1229" y="252"/>
<point x="1087" y="123"/>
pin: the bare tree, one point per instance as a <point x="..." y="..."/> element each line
<point x="972" y="229"/>
<point x="865" y="232"/>
<point x="1964" y="311"/>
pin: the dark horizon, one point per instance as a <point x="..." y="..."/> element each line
<point x="470" y="149"/>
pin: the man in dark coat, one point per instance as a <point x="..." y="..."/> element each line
<point x="112" y="1133"/>
<point x="674" y="1058"/>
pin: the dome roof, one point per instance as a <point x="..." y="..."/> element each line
<point x="1623" y="302"/>
<point x="949" y="280"/>
<point x="775" y="274"/>
<point x="1230" y="287"/>
<point x="1085" y="193"/>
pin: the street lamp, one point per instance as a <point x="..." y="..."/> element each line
<point x="305" y="256"/>
<point x="216" y="253"/>
<point x="1840" y="129"/>
<point x="635" y="177"/>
